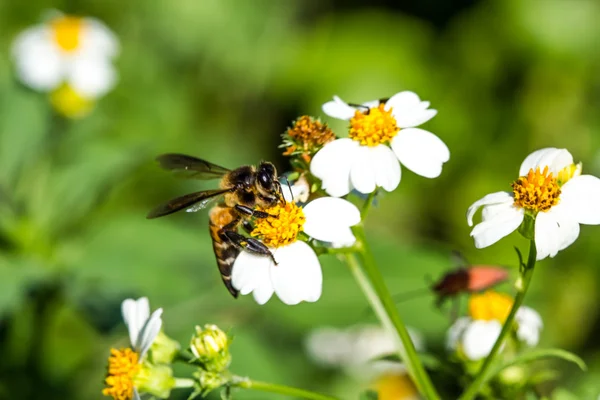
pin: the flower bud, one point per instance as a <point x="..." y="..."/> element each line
<point x="306" y="137"/>
<point x="164" y="349"/>
<point x="209" y="381"/>
<point x="155" y="379"/>
<point x="211" y="346"/>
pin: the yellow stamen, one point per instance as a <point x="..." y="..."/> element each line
<point x="67" y="32"/>
<point x="538" y="191"/>
<point x="68" y="102"/>
<point x="282" y="227"/>
<point x="122" y="368"/>
<point x="373" y="127"/>
<point x="490" y="306"/>
<point x="395" y="387"/>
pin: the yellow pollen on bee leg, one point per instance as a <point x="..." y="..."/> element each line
<point x="67" y="32"/>
<point x="282" y="226"/>
<point x="122" y="368"/>
<point x="374" y="127"/>
<point x="537" y="191"/>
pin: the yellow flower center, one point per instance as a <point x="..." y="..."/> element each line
<point x="282" y="227"/>
<point x="490" y="306"/>
<point x="66" y="101"/>
<point x="395" y="387"/>
<point x="123" y="366"/>
<point x="67" y="32"/>
<point x="373" y="127"/>
<point x="538" y="191"/>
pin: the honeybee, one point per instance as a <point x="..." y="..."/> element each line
<point x="242" y="190"/>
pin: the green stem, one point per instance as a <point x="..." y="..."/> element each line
<point x="523" y="285"/>
<point x="367" y="205"/>
<point x="247" y="383"/>
<point x="383" y="305"/>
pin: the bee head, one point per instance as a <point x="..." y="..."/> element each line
<point x="266" y="177"/>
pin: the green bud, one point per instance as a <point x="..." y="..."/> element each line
<point x="514" y="375"/>
<point x="164" y="349"/>
<point x="156" y="380"/>
<point x="211" y="346"/>
<point x="209" y="381"/>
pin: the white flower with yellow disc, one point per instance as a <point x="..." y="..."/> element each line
<point x="128" y="373"/>
<point x="68" y="55"/>
<point x="552" y="192"/>
<point x="381" y="134"/>
<point x="297" y="276"/>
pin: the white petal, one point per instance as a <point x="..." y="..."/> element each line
<point x="329" y="218"/>
<point x="149" y="332"/>
<point x="98" y="40"/>
<point x="338" y="108"/>
<point x="370" y="104"/>
<point x="387" y="168"/>
<point x="332" y="165"/>
<point x="329" y="347"/>
<point x="420" y="151"/>
<point x="91" y="77"/>
<point x="555" y="230"/>
<point x="408" y="110"/>
<point x="554" y="159"/>
<point x="298" y="276"/>
<point x="495" y="228"/>
<point x="135" y="314"/>
<point x="580" y="197"/>
<point x="251" y="274"/>
<point x="39" y="63"/>
<point x="479" y="338"/>
<point x="363" y="174"/>
<point x="529" y="325"/>
<point x="497" y="198"/>
<point x="456" y="331"/>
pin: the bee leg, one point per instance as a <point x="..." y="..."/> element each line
<point x="247" y="226"/>
<point x="244" y="210"/>
<point x="249" y="244"/>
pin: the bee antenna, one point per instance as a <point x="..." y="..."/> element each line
<point x="289" y="187"/>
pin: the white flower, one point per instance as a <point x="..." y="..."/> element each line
<point x="143" y="327"/>
<point x="297" y="276"/>
<point x="474" y="337"/>
<point x="552" y="190"/>
<point x="380" y="136"/>
<point x="529" y="325"/>
<point x="357" y="350"/>
<point x="66" y="49"/>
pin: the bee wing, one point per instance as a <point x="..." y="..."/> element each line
<point x="191" y="167"/>
<point x="189" y="201"/>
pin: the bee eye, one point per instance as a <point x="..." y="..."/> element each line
<point x="265" y="180"/>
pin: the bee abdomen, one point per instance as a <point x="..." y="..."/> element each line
<point x="225" y="251"/>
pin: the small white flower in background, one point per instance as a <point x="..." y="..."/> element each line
<point x="297" y="276"/>
<point x="381" y="134"/>
<point x="69" y="56"/>
<point x="474" y="336"/>
<point x="551" y="190"/>
<point x="128" y="371"/>
<point x="357" y="350"/>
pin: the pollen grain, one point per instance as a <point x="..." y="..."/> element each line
<point x="374" y="127"/>
<point x="537" y="191"/>
<point x="282" y="226"/>
<point x="122" y="368"/>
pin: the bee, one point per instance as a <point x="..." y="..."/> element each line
<point x="242" y="190"/>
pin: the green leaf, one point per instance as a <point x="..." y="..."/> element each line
<point x="538" y="354"/>
<point x="369" y="395"/>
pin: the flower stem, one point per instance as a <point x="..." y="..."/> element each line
<point x="383" y="305"/>
<point x="523" y="285"/>
<point x="247" y="383"/>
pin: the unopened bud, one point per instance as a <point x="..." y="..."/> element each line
<point x="211" y="346"/>
<point x="209" y="381"/>
<point x="306" y="137"/>
<point x="164" y="349"/>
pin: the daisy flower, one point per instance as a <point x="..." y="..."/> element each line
<point x="69" y="56"/>
<point x="550" y="191"/>
<point x="126" y="367"/>
<point x="475" y="335"/>
<point x="381" y="134"/>
<point x="297" y="276"/>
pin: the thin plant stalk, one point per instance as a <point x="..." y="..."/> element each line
<point x="523" y="285"/>
<point x="247" y="383"/>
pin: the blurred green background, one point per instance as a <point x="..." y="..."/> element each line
<point x="222" y="79"/>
